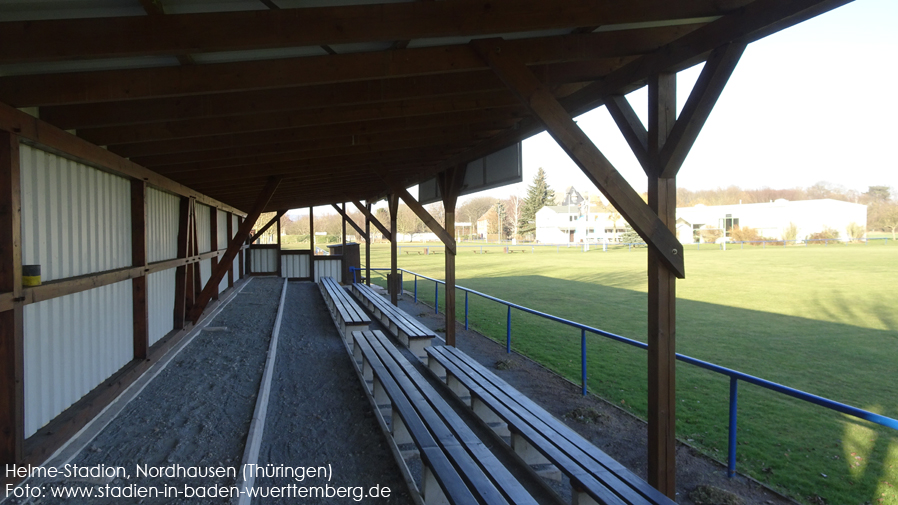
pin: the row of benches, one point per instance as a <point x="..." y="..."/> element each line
<point x="458" y="467"/>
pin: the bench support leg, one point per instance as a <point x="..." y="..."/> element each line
<point x="380" y="395"/>
<point x="458" y="388"/>
<point x="401" y="436"/>
<point x="437" y="369"/>
<point x="527" y="452"/>
<point x="431" y="490"/>
<point x="489" y="417"/>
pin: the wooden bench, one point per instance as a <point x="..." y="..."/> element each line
<point x="407" y="329"/>
<point x="458" y="467"/>
<point x="347" y="314"/>
<point x="538" y="437"/>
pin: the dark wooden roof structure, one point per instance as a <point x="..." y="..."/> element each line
<point x="266" y="105"/>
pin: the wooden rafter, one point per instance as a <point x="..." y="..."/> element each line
<point x="230" y="31"/>
<point x="111" y="85"/>
<point x="582" y="151"/>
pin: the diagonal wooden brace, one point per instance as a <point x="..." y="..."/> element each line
<point x="270" y="223"/>
<point x="532" y="93"/>
<point x="419" y="210"/>
<point x="233" y="248"/>
<point x="373" y="220"/>
<point x="350" y="221"/>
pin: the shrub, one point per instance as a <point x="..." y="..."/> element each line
<point x="744" y="234"/>
<point x="710" y="235"/>
<point x="827" y="234"/>
<point x="790" y="233"/>
<point x="855" y="231"/>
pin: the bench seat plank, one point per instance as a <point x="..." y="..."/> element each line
<point x="411" y="332"/>
<point x="563" y="446"/>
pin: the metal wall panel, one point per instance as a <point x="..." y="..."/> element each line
<point x="161" y="303"/>
<point x="72" y="344"/>
<point x="205" y="271"/>
<point x="76" y="220"/>
<point x="163" y="211"/>
<point x="263" y="260"/>
<point x="223" y="285"/>
<point x="222" y="229"/>
<point x="203" y="228"/>
<point x="328" y="267"/>
<point x="295" y="265"/>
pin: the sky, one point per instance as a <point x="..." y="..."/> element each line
<point x="814" y="102"/>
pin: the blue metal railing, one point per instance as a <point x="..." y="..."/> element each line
<point x="734" y="375"/>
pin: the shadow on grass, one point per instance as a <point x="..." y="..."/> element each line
<point x="802" y="449"/>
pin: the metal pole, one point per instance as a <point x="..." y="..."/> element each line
<point x="731" y="457"/>
<point x="416" y="289"/>
<point x="436" y="297"/>
<point x="508" y="332"/>
<point x="583" y="358"/>
<point x="466" y="310"/>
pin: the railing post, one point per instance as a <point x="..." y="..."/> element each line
<point x="583" y="358"/>
<point x="466" y="310"/>
<point x="416" y="289"/>
<point x="731" y="457"/>
<point x="508" y="332"/>
<point x="436" y="297"/>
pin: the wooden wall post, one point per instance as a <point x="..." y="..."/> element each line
<point x="367" y="244"/>
<point x="213" y="229"/>
<point x="230" y="233"/>
<point x="140" y="311"/>
<point x="181" y="273"/>
<point x="450" y="185"/>
<point x="278" y="255"/>
<point x="662" y="192"/>
<point x="311" y="244"/>
<point x="394" y="260"/>
<point x="12" y="351"/>
<point x="240" y="260"/>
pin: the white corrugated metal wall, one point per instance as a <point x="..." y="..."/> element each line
<point x="263" y="261"/>
<point x="328" y="267"/>
<point x="223" y="244"/>
<point x="76" y="220"/>
<point x="162" y="244"/>
<point x="294" y="265"/>
<point x="204" y="239"/>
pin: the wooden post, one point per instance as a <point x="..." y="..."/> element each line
<point x="213" y="229"/>
<point x="181" y="273"/>
<point x="662" y="296"/>
<point x="311" y="244"/>
<point x="196" y="278"/>
<point x="241" y="261"/>
<point x="234" y="247"/>
<point x="450" y="184"/>
<point x="368" y="244"/>
<point x="278" y="217"/>
<point x="394" y="260"/>
<point x="140" y="311"/>
<point x="230" y="234"/>
<point x="12" y="351"/>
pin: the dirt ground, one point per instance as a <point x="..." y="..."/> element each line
<point x="611" y="429"/>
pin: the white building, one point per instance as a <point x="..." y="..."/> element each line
<point x="570" y="224"/>
<point x="773" y="218"/>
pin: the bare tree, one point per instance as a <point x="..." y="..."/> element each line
<point x="514" y="208"/>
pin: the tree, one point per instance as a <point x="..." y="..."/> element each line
<point x="884" y="216"/>
<point x="878" y="193"/>
<point x="539" y="194"/>
<point x="514" y="208"/>
<point x="629" y="236"/>
<point x="473" y="208"/>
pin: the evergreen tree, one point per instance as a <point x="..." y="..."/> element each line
<point x="538" y="196"/>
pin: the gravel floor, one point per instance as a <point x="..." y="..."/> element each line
<point x="195" y="413"/>
<point x="318" y="414"/>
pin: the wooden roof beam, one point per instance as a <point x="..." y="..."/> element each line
<point x="131" y="84"/>
<point x="51" y="40"/>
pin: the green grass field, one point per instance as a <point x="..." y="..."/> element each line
<point x="820" y="319"/>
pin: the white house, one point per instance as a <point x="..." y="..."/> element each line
<point x="773" y="218"/>
<point x="570" y="224"/>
